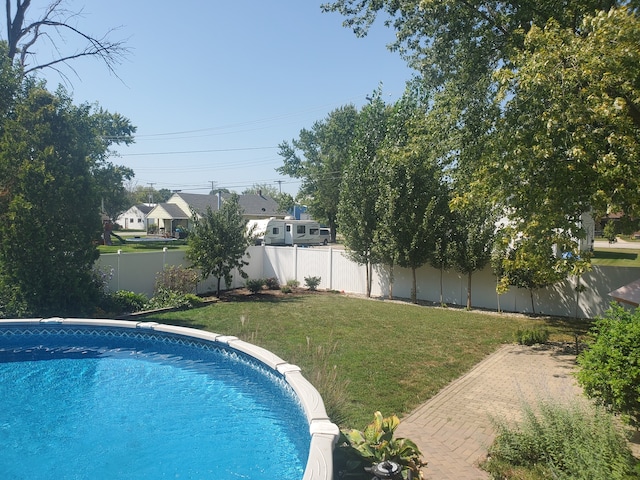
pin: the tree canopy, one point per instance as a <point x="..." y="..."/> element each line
<point x="318" y="157"/>
<point x="50" y="152"/>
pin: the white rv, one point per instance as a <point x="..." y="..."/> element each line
<point x="292" y="232"/>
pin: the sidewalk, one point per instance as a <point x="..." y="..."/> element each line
<point x="453" y="429"/>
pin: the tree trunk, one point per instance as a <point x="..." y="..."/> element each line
<point x="219" y="280"/>
<point x="441" y="294"/>
<point x="414" y="287"/>
<point x="533" y="306"/>
<point x="469" y="291"/>
<point x="390" y="282"/>
<point x="368" y="268"/>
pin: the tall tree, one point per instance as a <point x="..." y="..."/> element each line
<point x="218" y="242"/>
<point x="319" y="157"/>
<point x="571" y="130"/>
<point x="111" y="188"/>
<point x="50" y="150"/>
<point x="24" y="33"/>
<point x="360" y="188"/>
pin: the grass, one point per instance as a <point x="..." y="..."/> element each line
<point x="388" y="356"/>
<point x="616" y="257"/>
<point x="141" y="247"/>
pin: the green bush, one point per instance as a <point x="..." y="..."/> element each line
<point x="312" y="282"/>
<point x="255" y="285"/>
<point x="272" y="283"/>
<point x="610" y="365"/>
<point x="286" y="289"/>
<point x="564" y="443"/>
<point x="293" y="283"/>
<point x="127" y="301"/>
<point x="165" y="298"/>
<point x="532" y="336"/>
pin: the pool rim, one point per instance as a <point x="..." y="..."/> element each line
<point x="324" y="434"/>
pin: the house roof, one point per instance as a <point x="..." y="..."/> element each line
<point x="169" y="211"/>
<point x="144" y="208"/>
<point x="252" y="205"/>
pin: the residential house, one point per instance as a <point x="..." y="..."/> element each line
<point x="177" y="211"/>
<point x="135" y="218"/>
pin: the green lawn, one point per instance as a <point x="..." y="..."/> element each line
<point x="387" y="356"/>
<point x="141" y="247"/>
<point x="616" y="257"/>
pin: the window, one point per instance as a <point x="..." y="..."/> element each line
<point x="275" y="231"/>
<point x="288" y="228"/>
<point x="139" y="220"/>
<point x="301" y="229"/>
<point x="131" y="220"/>
<point x="313" y="231"/>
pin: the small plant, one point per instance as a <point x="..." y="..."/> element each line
<point x="255" y="285"/>
<point x="272" y="283"/>
<point x="312" y="282"/>
<point x="293" y="283"/>
<point x="567" y="443"/>
<point x="532" y="336"/>
<point x="286" y="289"/>
<point x="356" y="450"/>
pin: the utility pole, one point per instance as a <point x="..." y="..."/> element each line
<point x="279" y="182"/>
<point x="212" y="185"/>
<point x="151" y="192"/>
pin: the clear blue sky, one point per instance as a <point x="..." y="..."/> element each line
<point x="214" y="86"/>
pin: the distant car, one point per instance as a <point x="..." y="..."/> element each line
<point x="325" y="236"/>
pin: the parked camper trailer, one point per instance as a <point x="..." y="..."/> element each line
<point x="292" y="232"/>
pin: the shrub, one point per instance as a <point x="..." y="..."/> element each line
<point x="165" y="298"/>
<point x="177" y="279"/>
<point x="358" y="450"/>
<point x="127" y="301"/>
<point x="293" y="283"/>
<point x="532" y="336"/>
<point x="255" y="285"/>
<point x="286" y="289"/>
<point x="609" y="367"/>
<point x="312" y="282"/>
<point x="272" y="283"/>
<point x="565" y="443"/>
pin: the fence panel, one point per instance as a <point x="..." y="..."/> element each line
<point x="137" y="272"/>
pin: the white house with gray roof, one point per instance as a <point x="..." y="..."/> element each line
<point x="176" y="212"/>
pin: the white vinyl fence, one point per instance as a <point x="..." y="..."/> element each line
<point x="137" y="272"/>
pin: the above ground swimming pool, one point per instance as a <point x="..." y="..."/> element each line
<point x="118" y="399"/>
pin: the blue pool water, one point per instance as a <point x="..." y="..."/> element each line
<point x="102" y="404"/>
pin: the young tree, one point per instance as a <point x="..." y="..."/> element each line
<point x="50" y="150"/>
<point x="319" y="157"/>
<point x="219" y="241"/>
<point x="475" y="230"/>
<point x="414" y="199"/>
<point x="357" y="212"/>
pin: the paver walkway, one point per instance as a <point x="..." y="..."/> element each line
<point x="453" y="429"/>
